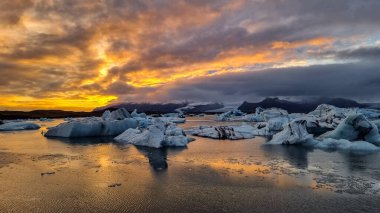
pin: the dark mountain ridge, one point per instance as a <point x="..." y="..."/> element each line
<point x="301" y="106"/>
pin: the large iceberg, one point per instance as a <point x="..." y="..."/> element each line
<point x="14" y="126"/>
<point x="157" y="135"/>
<point x="348" y="136"/>
<point x="110" y="124"/>
<point x="294" y="133"/>
<point x="91" y="127"/>
<point x="224" y="132"/>
<point x="355" y="127"/>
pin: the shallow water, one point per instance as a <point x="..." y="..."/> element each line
<point x="96" y="174"/>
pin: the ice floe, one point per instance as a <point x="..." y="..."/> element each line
<point x="354" y="134"/>
<point x="134" y="114"/>
<point x="91" y="127"/>
<point x="110" y="124"/>
<point x="294" y="133"/>
<point x="157" y="135"/>
<point x="355" y="127"/>
<point x="172" y="119"/>
<point x="15" y="126"/>
<point x="224" y="132"/>
<point x="174" y="115"/>
<point x="229" y="115"/>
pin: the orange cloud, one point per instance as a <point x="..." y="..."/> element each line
<point x="74" y="54"/>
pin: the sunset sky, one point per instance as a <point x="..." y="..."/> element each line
<point x="82" y="54"/>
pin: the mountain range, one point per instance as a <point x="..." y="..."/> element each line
<point x="300" y="106"/>
<point x="194" y="108"/>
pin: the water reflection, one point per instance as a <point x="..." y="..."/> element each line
<point x="84" y="141"/>
<point x="297" y="156"/>
<point x="357" y="162"/>
<point x="158" y="157"/>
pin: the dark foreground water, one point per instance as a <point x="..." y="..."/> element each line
<point x="97" y="175"/>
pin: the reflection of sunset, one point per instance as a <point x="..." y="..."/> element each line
<point x="251" y="168"/>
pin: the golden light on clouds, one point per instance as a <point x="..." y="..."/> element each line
<point x="83" y="54"/>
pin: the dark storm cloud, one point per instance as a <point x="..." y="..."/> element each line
<point x="368" y="53"/>
<point x="359" y="80"/>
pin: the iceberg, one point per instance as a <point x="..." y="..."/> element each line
<point x="345" y="137"/>
<point x="294" y="133"/>
<point x="91" y="127"/>
<point x="277" y="123"/>
<point x="330" y="115"/>
<point x="110" y="124"/>
<point x="15" y="126"/>
<point x="370" y="113"/>
<point x="118" y="114"/>
<point x="224" y="132"/>
<point x="377" y="123"/>
<point x="134" y="114"/>
<point x="157" y="135"/>
<point x="270" y="113"/>
<point x="229" y="115"/>
<point x="152" y="136"/>
<point x="257" y="117"/>
<point x="355" y="127"/>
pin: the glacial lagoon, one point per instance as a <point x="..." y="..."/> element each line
<point x="40" y="174"/>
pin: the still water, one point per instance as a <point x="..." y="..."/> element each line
<point x="98" y="175"/>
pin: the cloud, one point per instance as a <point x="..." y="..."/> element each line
<point x="119" y="88"/>
<point x="368" y="53"/>
<point x="357" y="80"/>
<point x="139" y="48"/>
